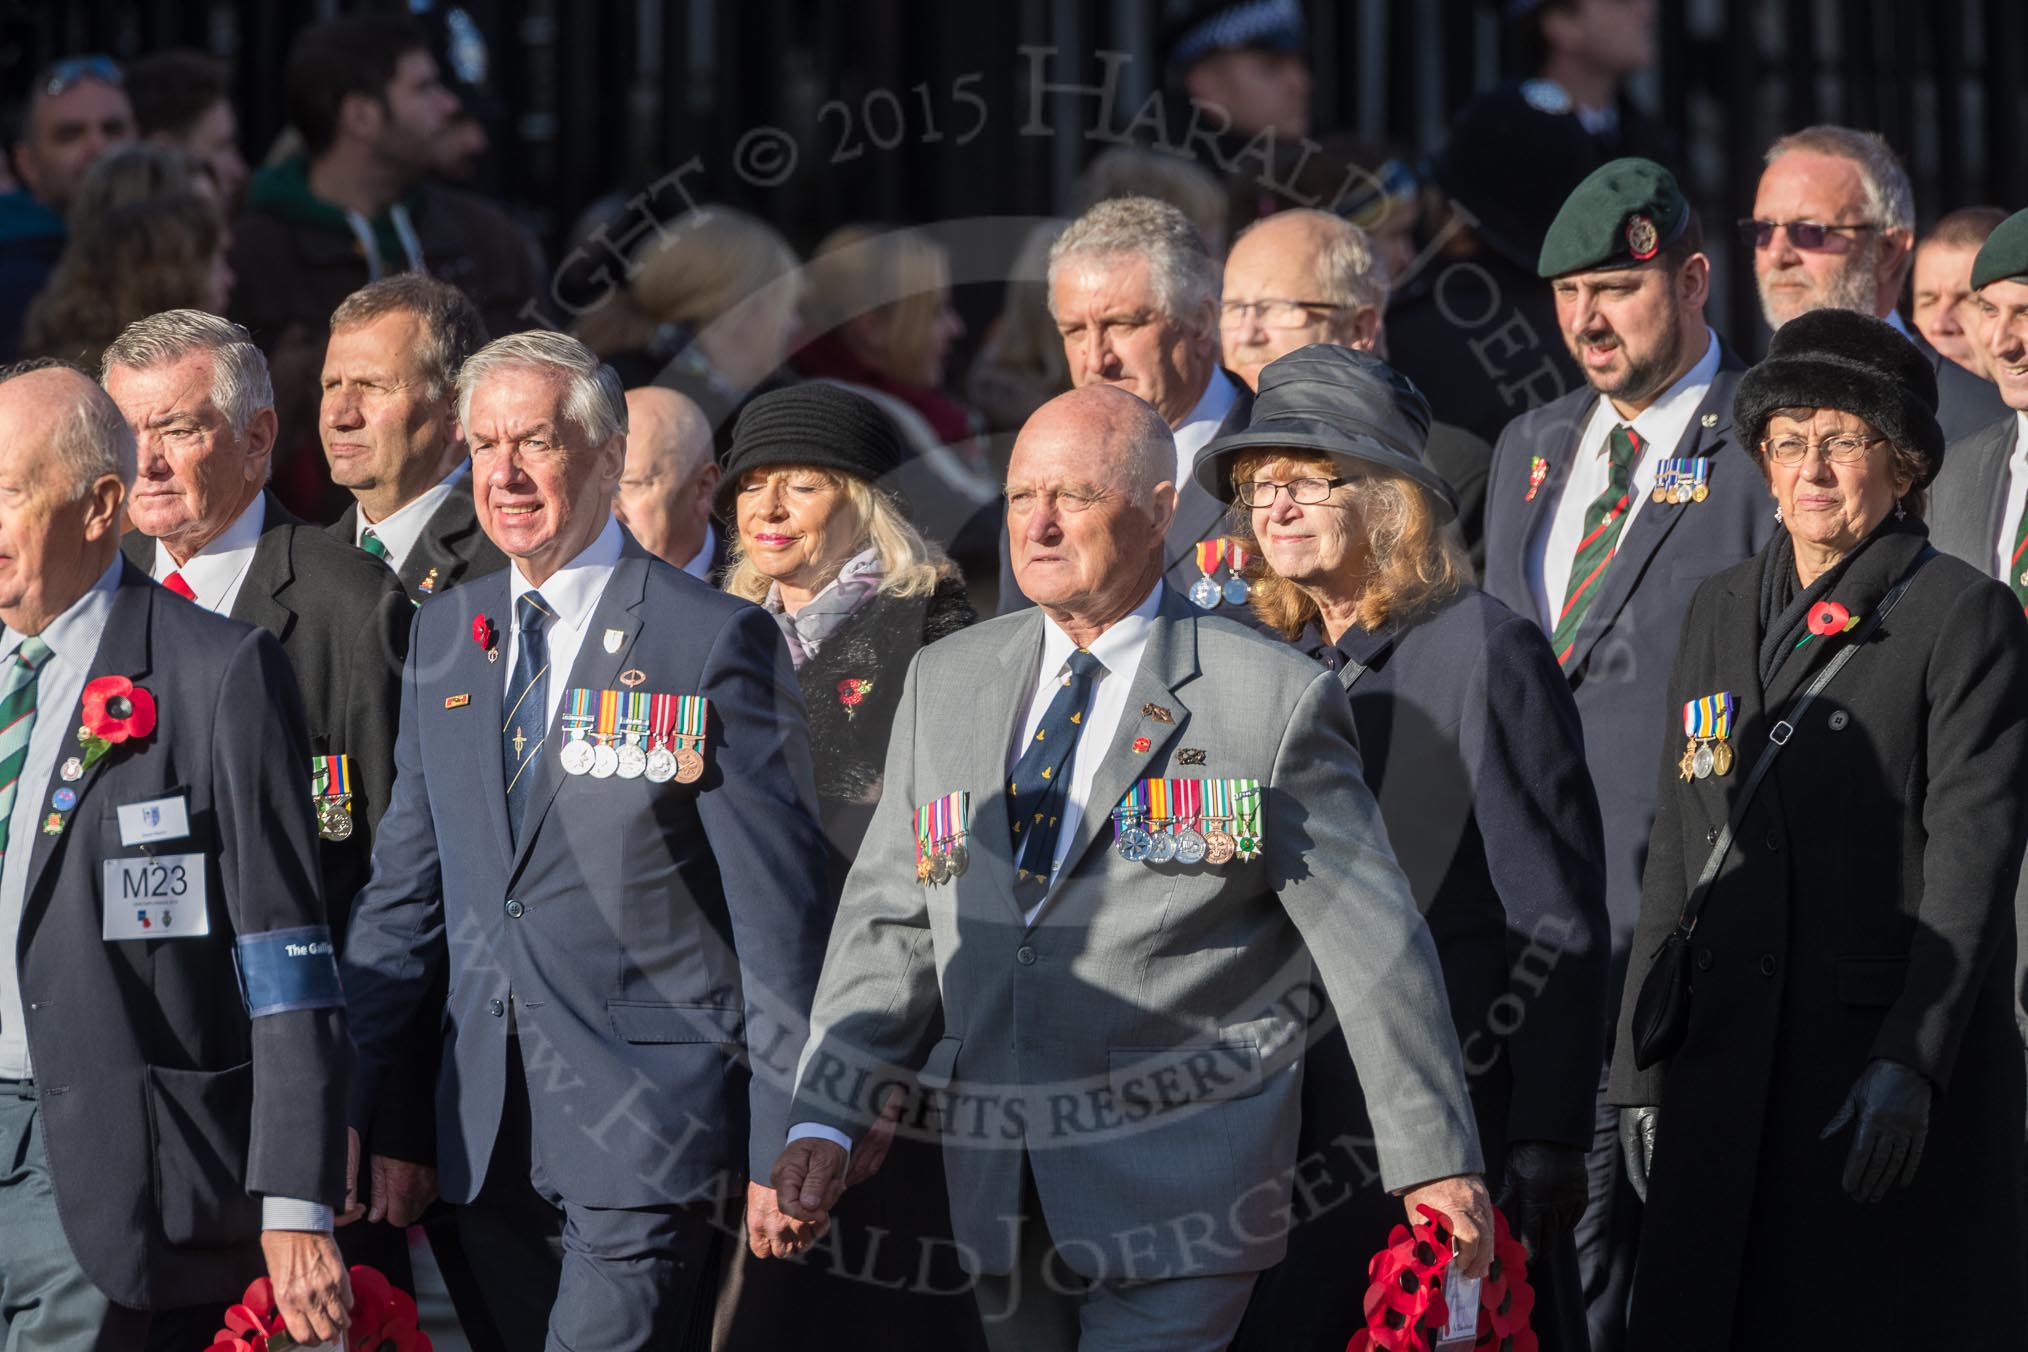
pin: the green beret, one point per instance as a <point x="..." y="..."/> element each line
<point x="2004" y="256"/>
<point x="1625" y="213"/>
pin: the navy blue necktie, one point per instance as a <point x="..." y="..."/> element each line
<point x="524" y="724"/>
<point x="1040" y="784"/>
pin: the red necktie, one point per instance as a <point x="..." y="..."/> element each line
<point x="174" y="582"/>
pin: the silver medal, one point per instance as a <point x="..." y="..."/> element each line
<point x="1190" y="847"/>
<point x="605" y="762"/>
<point x="1236" y="590"/>
<point x="1701" y="763"/>
<point x="961" y="859"/>
<point x="661" y="765"/>
<point x="1134" y="844"/>
<point x="576" y="756"/>
<point x="1161" y="847"/>
<point x="633" y="762"/>
<point x="1205" y="593"/>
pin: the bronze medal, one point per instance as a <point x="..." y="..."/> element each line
<point x="689" y="766"/>
<point x="922" y="868"/>
<point x="1687" y="767"/>
<point x="1699" y="493"/>
<point x="1219" y="847"/>
<point x="1721" y="758"/>
<point x="1660" y="495"/>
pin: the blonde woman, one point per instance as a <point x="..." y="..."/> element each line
<point x="1470" y="741"/>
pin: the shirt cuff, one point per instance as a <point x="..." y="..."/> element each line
<point x="803" y="1131"/>
<point x="292" y="1213"/>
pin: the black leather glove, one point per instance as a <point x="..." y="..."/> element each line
<point x="1892" y="1105"/>
<point x="1637" y="1144"/>
<point x="1545" y="1191"/>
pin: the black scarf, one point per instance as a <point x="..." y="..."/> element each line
<point x="1785" y="603"/>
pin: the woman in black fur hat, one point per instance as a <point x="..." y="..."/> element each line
<point x="1828" y="1137"/>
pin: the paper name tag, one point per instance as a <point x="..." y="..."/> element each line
<point x="1461" y="1298"/>
<point x="156" y="897"/>
<point x="156" y="819"/>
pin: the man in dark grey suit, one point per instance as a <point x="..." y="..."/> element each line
<point x="1120" y="1070"/>
<point x="632" y="913"/>
<point x="389" y="425"/>
<point x="196" y="393"/>
<point x="1135" y="295"/>
<point x="1977" y="504"/>
<point x="172" y="1042"/>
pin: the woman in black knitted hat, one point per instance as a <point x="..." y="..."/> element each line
<point x="1835" y="1089"/>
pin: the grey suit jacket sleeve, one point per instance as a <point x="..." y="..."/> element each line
<point x="879" y="988"/>
<point x="1336" y="874"/>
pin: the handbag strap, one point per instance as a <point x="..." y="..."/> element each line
<point x="1778" y="737"/>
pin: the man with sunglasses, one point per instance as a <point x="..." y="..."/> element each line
<point x="1833" y="228"/>
<point x="77" y="111"/>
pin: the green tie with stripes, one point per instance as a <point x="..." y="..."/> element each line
<point x="370" y="542"/>
<point x="17" y="721"/>
<point x="2017" y="571"/>
<point x="1603" y="521"/>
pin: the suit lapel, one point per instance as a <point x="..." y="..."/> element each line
<point x="983" y="762"/>
<point x="598" y="666"/>
<point x="436" y="548"/>
<point x="1563" y="426"/>
<point x="486" y="684"/>
<point x="1198" y="515"/>
<point x="1994" y="483"/>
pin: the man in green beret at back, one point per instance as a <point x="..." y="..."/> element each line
<point x="1604" y="510"/>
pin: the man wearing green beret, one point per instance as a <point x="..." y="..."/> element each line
<point x="1604" y="510"/>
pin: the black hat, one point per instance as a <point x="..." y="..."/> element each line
<point x="1234" y="25"/>
<point x="2004" y="255"/>
<point x="815" y="424"/>
<point x="1335" y="401"/>
<point x="1515" y="154"/>
<point x="1623" y="214"/>
<point x="1854" y="363"/>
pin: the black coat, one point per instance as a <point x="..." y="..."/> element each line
<point x="450" y="550"/>
<point x="1470" y="740"/>
<point x="1465" y="460"/>
<point x="1865" y="912"/>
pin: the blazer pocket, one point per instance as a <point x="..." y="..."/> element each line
<point x="201" y="1121"/>
<point x="939" y="1068"/>
<point x="1157" y="1079"/>
<point x="637" y="1021"/>
<point x="1871" y="983"/>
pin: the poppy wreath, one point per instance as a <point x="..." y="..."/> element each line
<point x="115" y="710"/>
<point x="383" y="1320"/>
<point x="1405" y="1307"/>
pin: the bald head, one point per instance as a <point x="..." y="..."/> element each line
<point x="1299" y="256"/>
<point x="1090" y="491"/>
<point x="66" y="461"/>
<point x="671" y="473"/>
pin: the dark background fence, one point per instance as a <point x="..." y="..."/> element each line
<point x="928" y="110"/>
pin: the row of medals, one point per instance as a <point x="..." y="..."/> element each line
<point x="948" y="860"/>
<point x="1704" y="757"/>
<point x="1207" y="593"/>
<point x="600" y="759"/>
<point x="1681" y="493"/>
<point x="1143" y="842"/>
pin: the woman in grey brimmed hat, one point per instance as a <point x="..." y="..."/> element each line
<point x="1472" y="745"/>
<point x="1817" y="1062"/>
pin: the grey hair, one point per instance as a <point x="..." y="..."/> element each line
<point x="452" y="329"/>
<point x="91" y="438"/>
<point x="1890" y="198"/>
<point x="1349" y="273"/>
<point x="596" y="402"/>
<point x="1186" y="277"/>
<point x="240" y="385"/>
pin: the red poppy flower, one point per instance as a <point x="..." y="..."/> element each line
<point x="116" y="709"/>
<point x="482" y="631"/>
<point x="852" y="690"/>
<point x="1141" y="744"/>
<point x="1828" y="618"/>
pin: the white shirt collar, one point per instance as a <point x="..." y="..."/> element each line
<point x="402" y="527"/>
<point x="1118" y="648"/>
<point x="1661" y="424"/>
<point x="214" y="571"/>
<point x="574" y="589"/>
<point x="699" y="566"/>
<point x="74" y="635"/>
<point x="2020" y="457"/>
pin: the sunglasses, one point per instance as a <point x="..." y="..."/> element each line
<point x="1809" y="236"/>
<point x="68" y="74"/>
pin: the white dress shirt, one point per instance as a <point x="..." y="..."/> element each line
<point x="1201" y="424"/>
<point x="216" y="571"/>
<point x="2016" y="498"/>
<point x="1660" y="426"/>
<point x="573" y="593"/>
<point x="404" y="525"/>
<point x="1119" y="649"/>
<point x="699" y="566"/>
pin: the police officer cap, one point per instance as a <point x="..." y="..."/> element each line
<point x="1235" y="25"/>
<point x="2004" y="256"/>
<point x="1621" y="216"/>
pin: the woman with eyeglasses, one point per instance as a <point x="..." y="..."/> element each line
<point x="1470" y="740"/>
<point x="1817" y="1063"/>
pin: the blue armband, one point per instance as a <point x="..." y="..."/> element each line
<point x="285" y="970"/>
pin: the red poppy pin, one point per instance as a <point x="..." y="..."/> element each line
<point x="484" y="635"/>
<point x="115" y="710"/>
<point x="1828" y="618"/>
<point x="852" y="692"/>
<point x="1141" y="744"/>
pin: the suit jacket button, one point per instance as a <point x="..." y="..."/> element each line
<point x="1839" y="720"/>
<point x="1767" y="964"/>
<point x="1774" y="842"/>
<point x="495" y="1008"/>
<point x="514" y="909"/>
<point x="1025" y="956"/>
<point x="1703" y="959"/>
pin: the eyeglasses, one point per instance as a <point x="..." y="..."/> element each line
<point x="1274" y="314"/>
<point x="1810" y="236"/>
<point x="1838" y="450"/>
<point x="68" y="74"/>
<point x="1306" y="492"/>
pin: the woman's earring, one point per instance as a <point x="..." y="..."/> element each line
<point x="1900" y="512"/>
<point x="1778" y="515"/>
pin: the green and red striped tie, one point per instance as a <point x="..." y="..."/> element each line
<point x="2017" y="572"/>
<point x="17" y="721"/>
<point x="1603" y="521"/>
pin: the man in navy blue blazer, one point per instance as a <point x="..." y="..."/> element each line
<point x="1604" y="510"/>
<point x="604" y="822"/>
<point x="172" y="1040"/>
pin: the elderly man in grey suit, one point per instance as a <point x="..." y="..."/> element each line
<point x="1125" y="1003"/>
